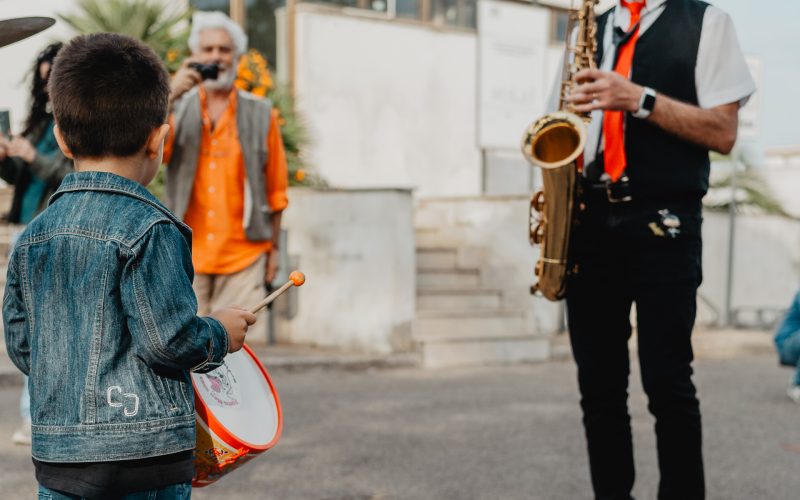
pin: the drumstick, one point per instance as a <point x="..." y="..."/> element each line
<point x="296" y="278"/>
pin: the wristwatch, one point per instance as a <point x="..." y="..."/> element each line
<point x="646" y="103"/>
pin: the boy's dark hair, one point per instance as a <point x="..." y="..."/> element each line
<point x="108" y="93"/>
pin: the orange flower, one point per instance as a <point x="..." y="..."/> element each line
<point x="300" y="175"/>
<point x="252" y="73"/>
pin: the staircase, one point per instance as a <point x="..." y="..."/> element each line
<point x="466" y="313"/>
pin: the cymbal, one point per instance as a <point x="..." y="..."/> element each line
<point x="14" y="30"/>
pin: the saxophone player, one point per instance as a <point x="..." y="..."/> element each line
<point x="671" y="78"/>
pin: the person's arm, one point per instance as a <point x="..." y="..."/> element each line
<point x="183" y="81"/>
<point x="161" y="308"/>
<point x="15" y="319"/>
<point x="277" y="171"/>
<point x="50" y="168"/>
<point x="714" y="128"/>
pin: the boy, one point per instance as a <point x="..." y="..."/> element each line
<point x="99" y="309"/>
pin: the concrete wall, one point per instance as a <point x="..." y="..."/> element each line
<point x="766" y="272"/>
<point x="356" y="248"/>
<point x="388" y="103"/>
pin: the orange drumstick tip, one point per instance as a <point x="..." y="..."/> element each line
<point x="297" y="278"/>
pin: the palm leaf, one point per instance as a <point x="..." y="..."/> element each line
<point x="164" y="28"/>
<point x="752" y="194"/>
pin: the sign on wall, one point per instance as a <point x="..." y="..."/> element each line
<point x="512" y="40"/>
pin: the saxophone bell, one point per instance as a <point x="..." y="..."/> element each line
<point x="555" y="140"/>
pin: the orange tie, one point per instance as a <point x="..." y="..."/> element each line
<point x="614" y="121"/>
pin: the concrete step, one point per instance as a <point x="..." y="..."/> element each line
<point x="453" y="299"/>
<point x="560" y="348"/>
<point x="443" y="278"/>
<point x="470" y="352"/>
<point x="460" y="325"/>
<point x="436" y="258"/>
<point x="438" y="239"/>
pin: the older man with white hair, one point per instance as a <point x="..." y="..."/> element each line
<point x="227" y="173"/>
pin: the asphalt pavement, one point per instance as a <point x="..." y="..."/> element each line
<point x="484" y="433"/>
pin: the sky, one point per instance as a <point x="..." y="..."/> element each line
<point x="769" y="30"/>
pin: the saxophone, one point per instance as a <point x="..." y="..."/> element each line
<point x="555" y="143"/>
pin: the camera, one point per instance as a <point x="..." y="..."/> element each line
<point x="207" y="71"/>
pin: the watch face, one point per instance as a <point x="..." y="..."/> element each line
<point x="649" y="102"/>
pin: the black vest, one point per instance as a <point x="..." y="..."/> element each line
<point x="661" y="165"/>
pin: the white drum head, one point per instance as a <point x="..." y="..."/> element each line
<point x="240" y="398"/>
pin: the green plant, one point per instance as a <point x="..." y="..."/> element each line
<point x="295" y="138"/>
<point x="749" y="189"/>
<point x="164" y="28"/>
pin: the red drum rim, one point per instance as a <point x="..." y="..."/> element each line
<point x="226" y="434"/>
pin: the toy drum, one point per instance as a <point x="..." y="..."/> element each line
<point x="238" y="416"/>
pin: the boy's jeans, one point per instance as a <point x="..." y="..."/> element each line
<point x="789" y="354"/>
<point x="180" y="491"/>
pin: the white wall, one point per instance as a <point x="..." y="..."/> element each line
<point x="388" y="103"/>
<point x="602" y="5"/>
<point x="356" y="248"/>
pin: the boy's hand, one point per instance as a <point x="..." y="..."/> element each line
<point x="183" y="81"/>
<point x="236" y="320"/>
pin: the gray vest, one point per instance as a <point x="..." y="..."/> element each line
<point x="252" y="124"/>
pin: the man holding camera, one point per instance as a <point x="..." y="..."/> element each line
<point x="227" y="173"/>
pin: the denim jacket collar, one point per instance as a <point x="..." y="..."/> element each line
<point x="113" y="183"/>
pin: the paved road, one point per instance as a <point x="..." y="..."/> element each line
<point x="488" y="433"/>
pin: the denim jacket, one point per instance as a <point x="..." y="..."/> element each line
<point x="99" y="311"/>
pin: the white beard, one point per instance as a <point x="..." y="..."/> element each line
<point x="224" y="80"/>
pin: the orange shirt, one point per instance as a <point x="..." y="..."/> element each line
<point x="216" y="207"/>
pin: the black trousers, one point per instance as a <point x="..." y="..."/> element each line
<point x="626" y="254"/>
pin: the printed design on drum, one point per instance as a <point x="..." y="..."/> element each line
<point x="220" y="384"/>
<point x="128" y="396"/>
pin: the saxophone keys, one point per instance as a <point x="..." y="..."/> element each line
<point x="537" y="201"/>
<point x="537" y="235"/>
